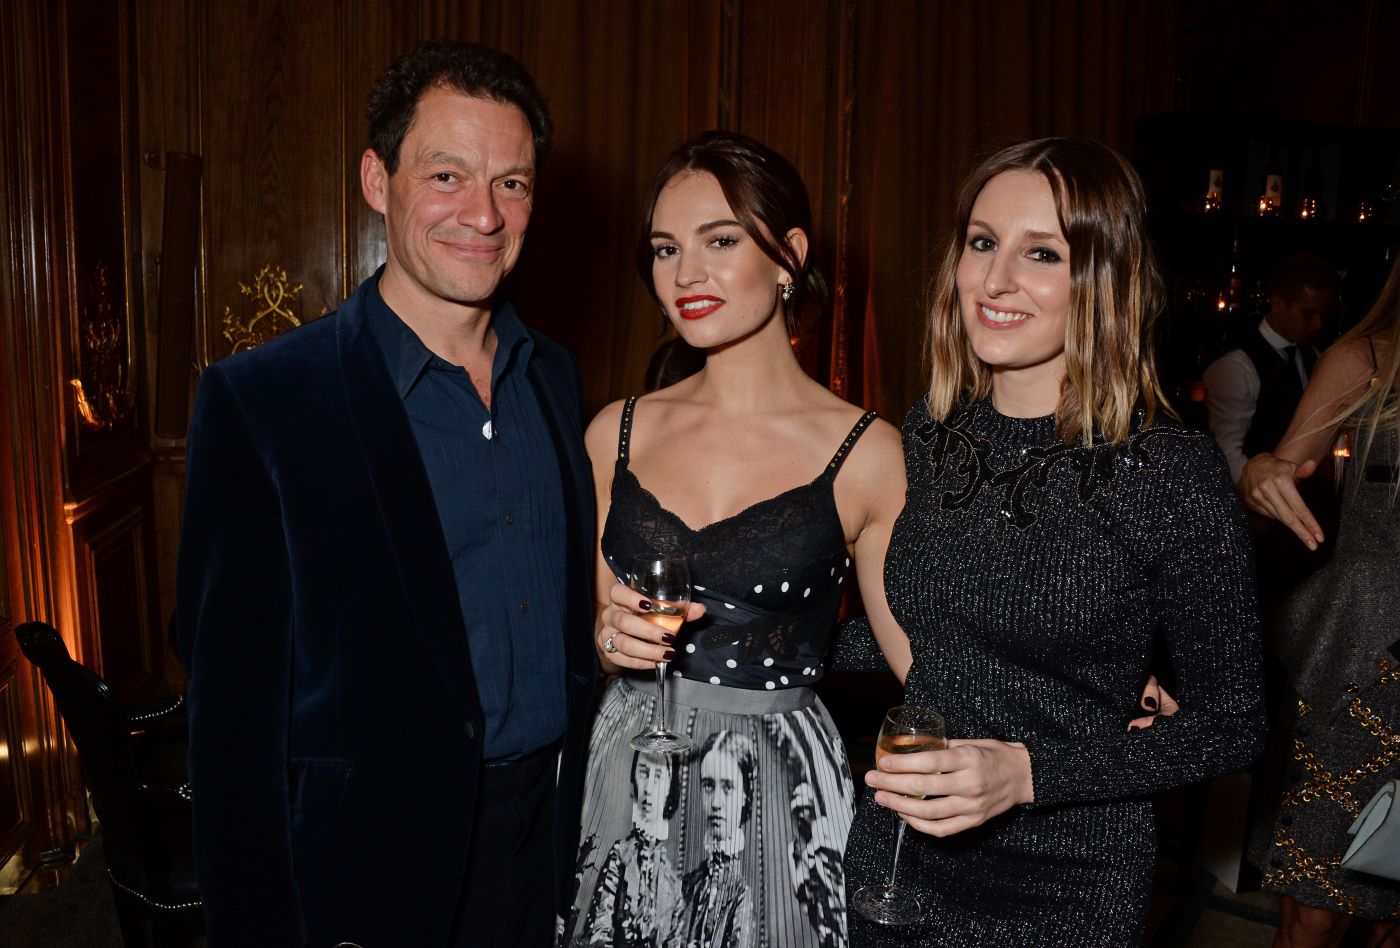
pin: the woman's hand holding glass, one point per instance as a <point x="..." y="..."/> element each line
<point x="967" y="784"/>
<point x="636" y="643"/>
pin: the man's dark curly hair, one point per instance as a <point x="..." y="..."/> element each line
<point x="470" y="68"/>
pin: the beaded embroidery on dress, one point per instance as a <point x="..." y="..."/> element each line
<point x="1097" y="464"/>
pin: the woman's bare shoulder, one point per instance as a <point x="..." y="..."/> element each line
<point x="601" y="437"/>
<point x="878" y="453"/>
<point x="1349" y="360"/>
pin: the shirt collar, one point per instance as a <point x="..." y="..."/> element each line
<point x="1272" y="337"/>
<point x="407" y="357"/>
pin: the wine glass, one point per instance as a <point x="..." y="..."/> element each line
<point x="665" y="581"/>
<point x="907" y="729"/>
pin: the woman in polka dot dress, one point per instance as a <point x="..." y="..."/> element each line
<point x="780" y="494"/>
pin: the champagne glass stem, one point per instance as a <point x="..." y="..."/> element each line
<point x="898" y="841"/>
<point x="662" y="712"/>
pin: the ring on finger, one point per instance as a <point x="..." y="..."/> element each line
<point x="608" y="646"/>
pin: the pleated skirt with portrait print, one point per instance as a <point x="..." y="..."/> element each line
<point x="735" y="843"/>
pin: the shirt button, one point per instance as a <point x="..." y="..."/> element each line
<point x="524" y="607"/>
<point x="510" y="518"/>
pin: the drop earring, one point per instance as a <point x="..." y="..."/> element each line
<point x="788" y="290"/>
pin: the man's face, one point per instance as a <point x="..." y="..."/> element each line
<point x="1300" y="320"/>
<point x="456" y="210"/>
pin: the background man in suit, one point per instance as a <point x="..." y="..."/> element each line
<point x="384" y="566"/>
<point x="1252" y="390"/>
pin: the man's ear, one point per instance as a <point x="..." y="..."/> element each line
<point x="374" y="180"/>
<point x="796" y="239"/>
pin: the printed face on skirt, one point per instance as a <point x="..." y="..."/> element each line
<point x="724" y="793"/>
<point x="651" y="779"/>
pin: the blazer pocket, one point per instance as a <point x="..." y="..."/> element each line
<point x="319" y="787"/>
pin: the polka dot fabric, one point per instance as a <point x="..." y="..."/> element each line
<point x="771" y="577"/>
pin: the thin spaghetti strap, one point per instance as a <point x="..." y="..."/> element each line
<point x="839" y="457"/>
<point x="624" y="431"/>
<point x="1371" y="341"/>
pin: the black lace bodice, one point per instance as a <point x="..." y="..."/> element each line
<point x="771" y="576"/>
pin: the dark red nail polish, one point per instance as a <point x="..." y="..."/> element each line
<point x="668" y="638"/>
<point x="669" y="656"/>
<point x="644" y="606"/>
<point x="1150" y="703"/>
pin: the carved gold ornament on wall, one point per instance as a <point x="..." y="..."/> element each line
<point x="104" y="391"/>
<point x="271" y="292"/>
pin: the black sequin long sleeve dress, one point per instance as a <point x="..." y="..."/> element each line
<point x="1032" y="578"/>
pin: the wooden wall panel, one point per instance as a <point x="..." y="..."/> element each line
<point x="272" y="137"/>
<point x="107" y="441"/>
<point x="115" y="581"/>
<point x="378" y="31"/>
<point x="167" y="500"/>
<point x="102" y="348"/>
<point x="34" y="305"/>
<point x="16" y="816"/>
<point x="616" y="118"/>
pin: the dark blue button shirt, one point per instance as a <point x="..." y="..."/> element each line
<point x="495" y="479"/>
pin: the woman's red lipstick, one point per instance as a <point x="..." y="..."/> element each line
<point x="697" y="307"/>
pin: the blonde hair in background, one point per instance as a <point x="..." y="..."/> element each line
<point x="1115" y="293"/>
<point x="1372" y="403"/>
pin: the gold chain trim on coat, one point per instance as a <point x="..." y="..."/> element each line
<point x="1323" y="784"/>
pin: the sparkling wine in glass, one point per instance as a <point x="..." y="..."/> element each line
<point x="907" y="729"/>
<point x="665" y="582"/>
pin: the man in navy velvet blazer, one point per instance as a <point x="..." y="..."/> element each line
<point x="383" y="587"/>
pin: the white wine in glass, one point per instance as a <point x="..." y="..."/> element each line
<point x="665" y="582"/>
<point x="906" y="730"/>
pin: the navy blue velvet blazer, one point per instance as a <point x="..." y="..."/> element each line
<point x="335" y="729"/>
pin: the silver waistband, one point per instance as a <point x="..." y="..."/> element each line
<point x="699" y="694"/>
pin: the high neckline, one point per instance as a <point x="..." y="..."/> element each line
<point x="990" y="420"/>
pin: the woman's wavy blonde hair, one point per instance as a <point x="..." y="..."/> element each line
<point x="1115" y="293"/>
<point x="1372" y="403"/>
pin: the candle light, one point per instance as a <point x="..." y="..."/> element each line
<point x="1214" y="190"/>
<point x="1364" y="212"/>
<point x="1264" y="207"/>
<point x="1307" y="209"/>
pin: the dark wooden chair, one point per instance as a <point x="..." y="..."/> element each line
<point x="134" y="762"/>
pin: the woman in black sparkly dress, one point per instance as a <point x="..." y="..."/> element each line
<point x="1056" y="523"/>
<point x="777" y="492"/>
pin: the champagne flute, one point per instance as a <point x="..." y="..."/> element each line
<point x="665" y="581"/>
<point x="907" y="729"/>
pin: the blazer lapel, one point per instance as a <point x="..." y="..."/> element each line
<point x="406" y="506"/>
<point x="562" y="414"/>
